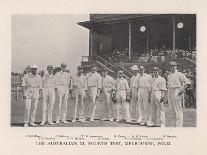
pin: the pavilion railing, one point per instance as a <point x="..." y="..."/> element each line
<point x="85" y="58"/>
<point x="104" y="63"/>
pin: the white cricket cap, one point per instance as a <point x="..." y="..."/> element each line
<point x="135" y="68"/>
<point x="33" y="66"/>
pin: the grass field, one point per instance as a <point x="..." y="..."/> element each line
<point x="17" y="116"/>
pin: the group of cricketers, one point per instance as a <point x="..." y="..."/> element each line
<point x="140" y="100"/>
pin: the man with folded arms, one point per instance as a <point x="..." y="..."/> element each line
<point x="107" y="83"/>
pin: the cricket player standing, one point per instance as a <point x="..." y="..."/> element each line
<point x="63" y="80"/>
<point x="107" y="83"/>
<point x="135" y="108"/>
<point x="49" y="87"/>
<point x="79" y="87"/>
<point x="32" y="88"/>
<point x="158" y="88"/>
<point x="177" y="83"/>
<point x="94" y="86"/>
<point x="143" y="84"/>
<point x="121" y="86"/>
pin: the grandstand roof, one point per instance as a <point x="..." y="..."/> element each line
<point x="97" y="19"/>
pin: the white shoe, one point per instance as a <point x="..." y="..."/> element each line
<point x="42" y="124"/>
<point x="66" y="122"/>
<point x="104" y="119"/>
<point x="74" y="120"/>
<point x="162" y="125"/>
<point x="150" y="124"/>
<point x="139" y="120"/>
<point x="51" y="123"/>
<point x="128" y="120"/>
<point x="57" y="122"/>
<point x="132" y="119"/>
<point x="26" y="125"/>
<point x="111" y="120"/>
<point x="33" y="124"/>
<point x="82" y="120"/>
<point x="142" y="123"/>
<point x="117" y="120"/>
<point x="91" y="120"/>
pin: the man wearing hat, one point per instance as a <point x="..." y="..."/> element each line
<point x="79" y="84"/>
<point x="107" y="83"/>
<point x="63" y="80"/>
<point x="121" y="87"/>
<point x="134" y="91"/>
<point x="143" y="84"/>
<point x="177" y="83"/>
<point x="94" y="85"/>
<point x="32" y="86"/>
<point x="49" y="87"/>
<point x="158" y="88"/>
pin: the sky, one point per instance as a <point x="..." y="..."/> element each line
<point x="48" y="39"/>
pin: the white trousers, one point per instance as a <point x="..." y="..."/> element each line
<point x="157" y="109"/>
<point x="175" y="106"/>
<point x="92" y="101"/>
<point x="63" y="100"/>
<point x="122" y="107"/>
<point x="79" y="97"/>
<point x="123" y="111"/>
<point x="143" y="101"/>
<point x="31" y="102"/>
<point x="48" y="102"/>
<point x="108" y="103"/>
<point x="135" y="107"/>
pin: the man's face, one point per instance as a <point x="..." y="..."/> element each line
<point x="173" y="68"/>
<point x="28" y="70"/>
<point x="120" y="75"/>
<point x="93" y="69"/>
<point x="50" y="70"/>
<point x="33" y="71"/>
<point x="63" y="69"/>
<point x="142" y="71"/>
<point x="135" y="72"/>
<point x="104" y="73"/>
<point x="155" y="73"/>
<point x="80" y="70"/>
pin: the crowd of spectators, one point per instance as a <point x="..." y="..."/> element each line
<point x="116" y="55"/>
<point x="153" y="55"/>
<point x="159" y="55"/>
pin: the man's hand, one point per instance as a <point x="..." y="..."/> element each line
<point x="40" y="94"/>
<point x="24" y="97"/>
<point x="149" y="100"/>
<point x="40" y="97"/>
<point x="161" y="99"/>
<point x="98" y="95"/>
<point x="55" y="89"/>
<point x="181" y="93"/>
